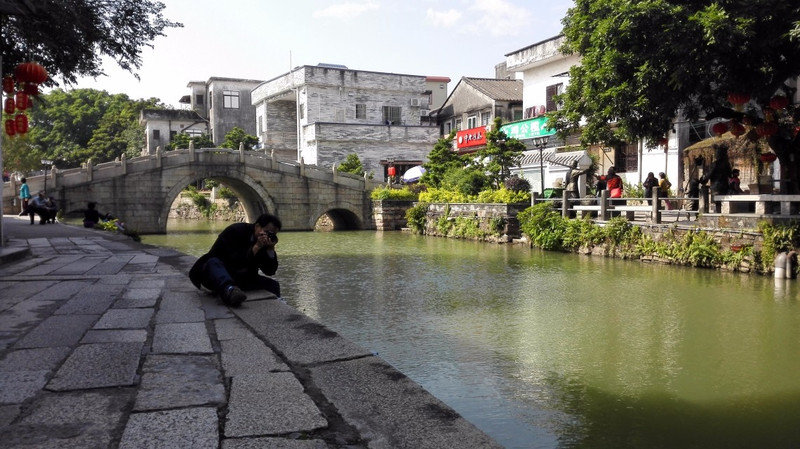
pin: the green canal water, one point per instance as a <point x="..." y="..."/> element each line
<point x="551" y="350"/>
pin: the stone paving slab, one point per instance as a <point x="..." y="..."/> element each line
<point x="249" y="355"/>
<point x="62" y="290"/>
<point x="125" y="319"/>
<point x="195" y="428"/>
<point x="272" y="443"/>
<point x="89" y="301"/>
<point x="115" y="336"/>
<point x="98" y="365"/>
<point x="173" y="381"/>
<point x="71" y="420"/>
<point x="390" y="410"/>
<point x="270" y="404"/>
<point x="57" y="330"/>
<point x="18" y="386"/>
<point x="23" y="316"/>
<point x="295" y="336"/>
<point x="177" y="338"/>
<point x="33" y="359"/>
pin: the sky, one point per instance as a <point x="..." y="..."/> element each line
<point x="263" y="39"/>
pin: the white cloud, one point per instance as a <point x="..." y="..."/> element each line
<point x="346" y="10"/>
<point x="446" y="19"/>
<point x="499" y="17"/>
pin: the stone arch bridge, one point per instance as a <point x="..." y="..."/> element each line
<point x="141" y="190"/>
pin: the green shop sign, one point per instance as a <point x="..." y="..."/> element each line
<point x="528" y="129"/>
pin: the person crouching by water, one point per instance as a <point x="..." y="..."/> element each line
<point x="90" y="215"/>
<point x="234" y="260"/>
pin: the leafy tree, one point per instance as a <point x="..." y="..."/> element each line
<point x="19" y="155"/>
<point x="500" y="154"/>
<point x="181" y="141"/>
<point x="237" y="136"/>
<point x="352" y="164"/>
<point x="70" y="37"/>
<point x="645" y="63"/>
<point x="441" y="159"/>
<point x="72" y="127"/>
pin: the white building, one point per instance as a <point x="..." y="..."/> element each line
<point x="322" y="113"/>
<point x="545" y="72"/>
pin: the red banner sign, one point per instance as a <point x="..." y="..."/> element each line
<point x="471" y="137"/>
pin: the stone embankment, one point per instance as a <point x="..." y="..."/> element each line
<point x="105" y="342"/>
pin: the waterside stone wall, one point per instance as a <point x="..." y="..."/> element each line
<point x="390" y="215"/>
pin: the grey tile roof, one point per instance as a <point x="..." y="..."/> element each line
<point x="531" y="157"/>
<point x="497" y="89"/>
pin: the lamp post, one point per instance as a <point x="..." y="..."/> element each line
<point x="540" y="143"/>
<point x="46" y="163"/>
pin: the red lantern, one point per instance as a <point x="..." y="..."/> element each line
<point x="11" y="127"/>
<point x="21" y="122"/>
<point x="23" y="102"/>
<point x="8" y="84"/>
<point x="769" y="114"/>
<point x="30" y="72"/>
<point x="9" y="107"/>
<point x="31" y="89"/>
<point x="779" y="102"/>
<point x="663" y="141"/>
<point x="737" y="129"/>
<point x="768" y="157"/>
<point x="738" y="100"/>
<point x="767" y="129"/>
<point x="392" y="171"/>
<point x="719" y="128"/>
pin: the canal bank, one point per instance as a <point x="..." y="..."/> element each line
<point x="105" y="343"/>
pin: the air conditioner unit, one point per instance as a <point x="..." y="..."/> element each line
<point x="424" y="112"/>
<point x="415" y="102"/>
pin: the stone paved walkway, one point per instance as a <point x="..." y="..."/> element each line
<point x="105" y="343"/>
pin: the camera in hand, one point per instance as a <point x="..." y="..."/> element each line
<point x="273" y="237"/>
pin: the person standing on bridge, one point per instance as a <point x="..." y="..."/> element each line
<point x="24" y="195"/>
<point x="232" y="264"/>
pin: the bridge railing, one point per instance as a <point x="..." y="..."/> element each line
<point x="89" y="172"/>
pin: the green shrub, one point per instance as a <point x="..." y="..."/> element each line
<point x="415" y="216"/>
<point x="386" y="193"/>
<point x="544" y="226"/>
<point x="504" y="196"/>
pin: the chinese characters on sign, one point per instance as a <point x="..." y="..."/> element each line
<point x="471" y="137"/>
<point x="528" y="129"/>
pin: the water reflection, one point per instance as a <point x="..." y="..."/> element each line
<point x="550" y="350"/>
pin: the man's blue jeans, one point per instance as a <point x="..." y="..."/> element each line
<point x="216" y="278"/>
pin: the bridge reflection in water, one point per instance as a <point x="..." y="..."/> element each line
<point x="553" y="350"/>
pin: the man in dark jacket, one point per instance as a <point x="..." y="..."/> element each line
<point x="232" y="264"/>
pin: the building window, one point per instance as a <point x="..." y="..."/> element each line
<point x="260" y="122"/>
<point x="485" y="118"/>
<point x="302" y="111"/>
<point x="458" y="124"/>
<point x="198" y="99"/>
<point x="472" y="121"/>
<point x="172" y="135"/>
<point x="550" y="94"/>
<point x="361" y="111"/>
<point x="156" y="134"/>
<point x="516" y="114"/>
<point x="447" y="128"/>
<point x="193" y="132"/>
<point x="626" y="158"/>
<point x="391" y="115"/>
<point x="230" y="99"/>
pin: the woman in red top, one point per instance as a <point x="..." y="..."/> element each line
<point x="613" y="183"/>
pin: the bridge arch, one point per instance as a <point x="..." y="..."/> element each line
<point x="342" y="218"/>
<point x="254" y="198"/>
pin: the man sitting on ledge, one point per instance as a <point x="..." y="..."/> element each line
<point x="233" y="262"/>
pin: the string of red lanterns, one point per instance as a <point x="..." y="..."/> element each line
<point x="26" y="79"/>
